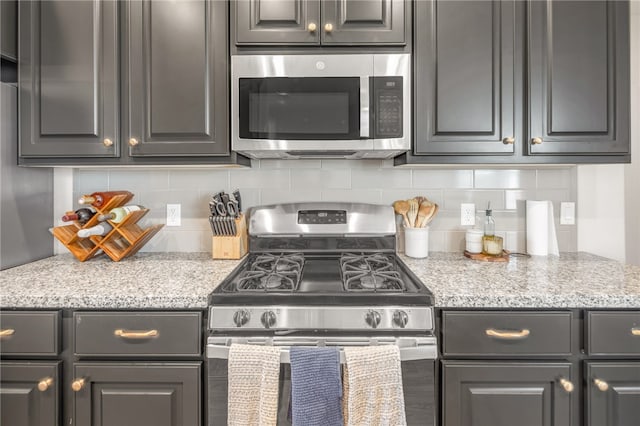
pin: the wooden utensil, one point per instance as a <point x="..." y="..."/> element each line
<point x="433" y="214"/>
<point x="401" y="207"/>
<point x="424" y="212"/>
<point x="413" y="212"/>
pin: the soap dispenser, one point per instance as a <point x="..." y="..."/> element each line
<point x="491" y="244"/>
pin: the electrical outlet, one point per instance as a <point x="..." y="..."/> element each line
<point x="568" y="213"/>
<point x="467" y="214"/>
<point x="173" y="215"/>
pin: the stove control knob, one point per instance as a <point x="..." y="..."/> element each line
<point x="373" y="319"/>
<point x="268" y="319"/>
<point x="400" y="318"/>
<point x="241" y="317"/>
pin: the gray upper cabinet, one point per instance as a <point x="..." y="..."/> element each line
<point x="578" y="77"/>
<point x="175" y="78"/>
<point x="320" y="22"/>
<point x="467" y="74"/>
<point x="68" y="93"/>
<point x="8" y="29"/>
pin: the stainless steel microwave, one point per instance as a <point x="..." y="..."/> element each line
<point x="321" y="106"/>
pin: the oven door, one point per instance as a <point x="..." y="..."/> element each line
<point x="418" y="378"/>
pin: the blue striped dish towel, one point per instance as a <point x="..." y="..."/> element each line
<point x="316" y="387"/>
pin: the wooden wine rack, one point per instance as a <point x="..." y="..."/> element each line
<point x="125" y="239"/>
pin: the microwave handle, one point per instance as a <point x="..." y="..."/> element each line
<point x="364" y="107"/>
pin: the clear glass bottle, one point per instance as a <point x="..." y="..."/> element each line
<point x="491" y="244"/>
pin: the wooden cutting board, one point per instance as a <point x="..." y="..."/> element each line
<point x="487" y="258"/>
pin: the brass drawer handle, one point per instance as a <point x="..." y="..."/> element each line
<point x="536" y="141"/>
<point x="508" y="335"/>
<point x="328" y="27"/>
<point x="312" y="27"/>
<point x="635" y="331"/>
<point x="78" y="384"/>
<point x="107" y="142"/>
<point x="45" y="384"/>
<point x="601" y="385"/>
<point x="509" y="141"/>
<point x="566" y="385"/>
<point x="136" y="334"/>
<point x="6" y="332"/>
<point x="133" y="142"/>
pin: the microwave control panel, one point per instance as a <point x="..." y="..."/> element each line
<point x="387" y="107"/>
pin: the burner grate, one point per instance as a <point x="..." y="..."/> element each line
<point x="272" y="272"/>
<point x="370" y="272"/>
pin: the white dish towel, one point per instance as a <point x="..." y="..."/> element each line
<point x="254" y="372"/>
<point x="372" y="386"/>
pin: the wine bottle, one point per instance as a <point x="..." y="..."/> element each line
<point x="118" y="214"/>
<point x="99" y="199"/>
<point x="81" y="215"/>
<point x="99" y="229"/>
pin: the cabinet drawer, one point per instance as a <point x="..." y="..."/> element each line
<point x="613" y="333"/>
<point x="506" y="333"/>
<point x="138" y="333"/>
<point x="30" y="333"/>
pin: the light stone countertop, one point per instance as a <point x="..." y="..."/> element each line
<point x="184" y="280"/>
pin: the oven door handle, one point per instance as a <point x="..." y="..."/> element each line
<point x="412" y="353"/>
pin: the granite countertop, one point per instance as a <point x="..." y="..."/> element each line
<point x="184" y="280"/>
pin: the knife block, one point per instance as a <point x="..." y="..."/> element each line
<point x="234" y="246"/>
<point x="124" y="240"/>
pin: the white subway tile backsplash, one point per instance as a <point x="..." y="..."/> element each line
<point x="505" y="179"/>
<point x="368" y="181"/>
<point x="431" y="179"/>
<point x="381" y="179"/>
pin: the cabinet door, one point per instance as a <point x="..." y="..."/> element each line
<point x="128" y="394"/>
<point x="363" y="22"/>
<point x="468" y="77"/>
<point x="175" y="78"/>
<point x="8" y="35"/>
<point x="578" y="77"/>
<point x="29" y="393"/>
<point x="506" y="394"/>
<point x="613" y="393"/>
<point x="68" y="78"/>
<point x="281" y="22"/>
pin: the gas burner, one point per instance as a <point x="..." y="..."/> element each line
<point x="272" y="272"/>
<point x="365" y="272"/>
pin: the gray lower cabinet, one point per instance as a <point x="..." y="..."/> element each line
<point x="29" y="393"/>
<point x="578" y="58"/>
<point x="613" y="393"/>
<point x="506" y="393"/>
<point x="175" y="66"/>
<point x="320" y="22"/>
<point x="117" y="394"/>
<point x="68" y="86"/>
<point x="467" y="77"/>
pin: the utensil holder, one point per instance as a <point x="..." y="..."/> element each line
<point x="416" y="242"/>
<point x="234" y="246"/>
<point x="124" y="240"/>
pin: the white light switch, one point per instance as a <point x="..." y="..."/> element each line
<point x="568" y="213"/>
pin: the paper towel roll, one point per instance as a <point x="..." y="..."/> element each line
<point x="541" y="229"/>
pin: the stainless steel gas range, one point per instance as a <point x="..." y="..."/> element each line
<point x="324" y="274"/>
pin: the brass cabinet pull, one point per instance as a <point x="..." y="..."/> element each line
<point x="45" y="384"/>
<point x="328" y="27"/>
<point x="6" y="332"/>
<point x="78" y="384"/>
<point x="107" y="142"/>
<point x="601" y="385"/>
<point x="566" y="385"/>
<point x="133" y="142"/>
<point x="312" y="27"/>
<point x="635" y="331"/>
<point x="136" y="334"/>
<point x="509" y="335"/>
<point x="536" y="141"/>
<point x="509" y="141"/>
